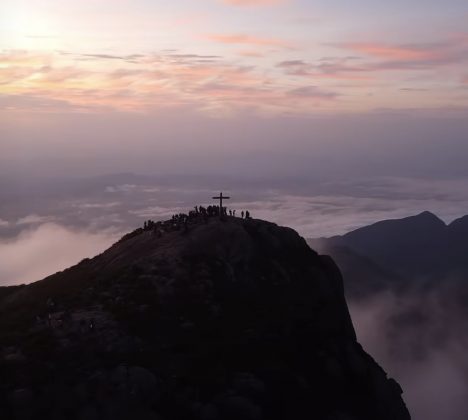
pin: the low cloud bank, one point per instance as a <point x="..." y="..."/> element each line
<point x="48" y="248"/>
<point x="420" y="339"/>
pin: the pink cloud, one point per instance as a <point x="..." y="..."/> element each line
<point x="250" y="53"/>
<point x="411" y="56"/>
<point x="153" y="81"/>
<point x="397" y="52"/>
<point x="243" y="39"/>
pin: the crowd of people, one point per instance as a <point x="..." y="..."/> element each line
<point x="181" y="221"/>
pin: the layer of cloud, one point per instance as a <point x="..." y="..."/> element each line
<point x="220" y="85"/>
<point x="244" y="39"/>
<point x="411" y="56"/>
<point x="32" y="219"/>
<point x="344" y="68"/>
<point x="419" y="338"/>
<point x="368" y="59"/>
<point x="169" y="80"/>
<point x="46" y="249"/>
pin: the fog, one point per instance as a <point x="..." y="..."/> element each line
<point x="43" y="250"/>
<point x="420" y="339"/>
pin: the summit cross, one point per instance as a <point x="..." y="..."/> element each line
<point x="221" y="197"/>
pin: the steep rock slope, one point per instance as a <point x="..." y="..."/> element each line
<point x="234" y="319"/>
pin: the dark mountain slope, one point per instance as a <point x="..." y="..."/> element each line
<point x="364" y="277"/>
<point x="415" y="248"/>
<point x="458" y="243"/>
<point x="235" y="319"/>
<point x="409" y="246"/>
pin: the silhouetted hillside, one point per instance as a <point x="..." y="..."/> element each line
<point x="421" y="246"/>
<point x="230" y="320"/>
<point x="408" y="246"/>
<point x="363" y="276"/>
<point x="458" y="242"/>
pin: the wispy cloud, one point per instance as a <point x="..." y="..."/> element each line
<point x="247" y="78"/>
<point x="312" y="92"/>
<point x="369" y="59"/>
<point x="244" y="39"/>
<point x="33" y="219"/>
<point x="411" y="56"/>
<point x="328" y="67"/>
<point x="138" y="82"/>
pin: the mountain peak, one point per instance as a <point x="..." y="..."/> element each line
<point x="409" y="245"/>
<point x="460" y="223"/>
<point x="429" y="216"/>
<point x="195" y="318"/>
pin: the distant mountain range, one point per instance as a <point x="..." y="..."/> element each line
<point x="391" y="253"/>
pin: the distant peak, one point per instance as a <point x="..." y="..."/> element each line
<point x="460" y="222"/>
<point x="427" y="215"/>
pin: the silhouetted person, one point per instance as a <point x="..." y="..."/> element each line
<point x="230" y="212"/>
<point x="242" y="214"/>
<point x="234" y="213"/>
<point x="247" y="214"/>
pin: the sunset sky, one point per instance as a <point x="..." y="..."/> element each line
<point x="222" y="57"/>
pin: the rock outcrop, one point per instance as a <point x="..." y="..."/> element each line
<point x="230" y="320"/>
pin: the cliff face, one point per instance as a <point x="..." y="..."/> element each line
<point x="235" y="319"/>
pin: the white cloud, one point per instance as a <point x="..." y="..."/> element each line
<point x="48" y="248"/>
<point x="121" y="188"/>
<point x="427" y="359"/>
<point x="98" y="205"/>
<point x="33" y="219"/>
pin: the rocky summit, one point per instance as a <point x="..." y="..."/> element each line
<point x="218" y="319"/>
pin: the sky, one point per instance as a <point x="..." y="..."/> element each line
<point x="224" y="57"/>
<point x="252" y="87"/>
